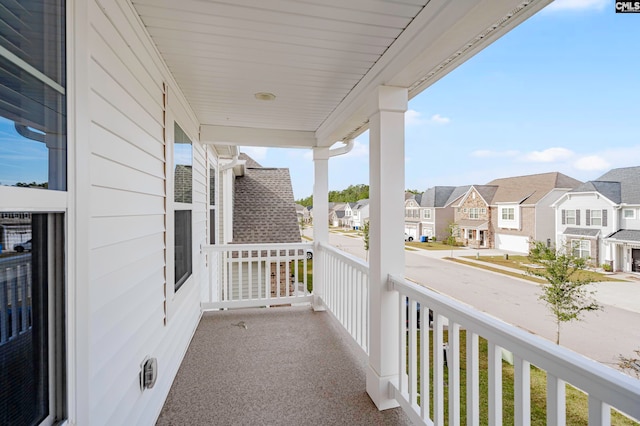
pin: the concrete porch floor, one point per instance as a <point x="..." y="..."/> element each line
<point x="289" y="366"/>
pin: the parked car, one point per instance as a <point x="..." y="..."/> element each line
<point x="24" y="246"/>
<point x="408" y="237"/>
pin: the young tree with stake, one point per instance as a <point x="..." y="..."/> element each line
<point x="565" y="292"/>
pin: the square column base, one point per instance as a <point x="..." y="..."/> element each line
<point x="379" y="391"/>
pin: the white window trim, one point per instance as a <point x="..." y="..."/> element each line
<point x="633" y="214"/>
<point x="566" y="216"/>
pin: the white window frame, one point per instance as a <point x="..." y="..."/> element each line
<point x="583" y="247"/>
<point x="570" y="220"/>
<point x="426" y="214"/>
<point x="474" y="213"/>
<point x="509" y="212"/>
<point x="632" y="211"/>
<point x="599" y="218"/>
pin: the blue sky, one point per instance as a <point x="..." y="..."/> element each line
<point x="558" y="93"/>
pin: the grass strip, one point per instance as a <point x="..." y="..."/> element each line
<point x="499" y="271"/>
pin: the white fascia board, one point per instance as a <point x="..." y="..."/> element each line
<point x="442" y="36"/>
<point x="249" y="136"/>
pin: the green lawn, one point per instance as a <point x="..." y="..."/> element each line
<point x="577" y="401"/>
<point x="523" y="263"/>
<point x="309" y="273"/>
<point x="500" y="271"/>
<point x="430" y="246"/>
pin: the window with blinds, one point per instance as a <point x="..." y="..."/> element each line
<point x="32" y="94"/>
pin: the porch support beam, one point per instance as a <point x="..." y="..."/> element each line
<point x="386" y="180"/>
<point x="320" y="221"/>
<point x="250" y="136"/>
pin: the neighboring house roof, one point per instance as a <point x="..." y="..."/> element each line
<point x="486" y="192"/>
<point x="409" y="195"/>
<point x="529" y="189"/>
<point x="611" y="190"/>
<point x="249" y="162"/>
<point x="581" y="232"/>
<point x="300" y="208"/>
<point x="339" y="213"/>
<point x="631" y="235"/>
<point x="629" y="178"/>
<point x="352" y="205"/>
<point x="263" y="207"/>
<point x="362" y="203"/>
<point x="436" y="196"/>
<point x="457" y="193"/>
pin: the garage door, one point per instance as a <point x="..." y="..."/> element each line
<point x="512" y="243"/>
<point x="412" y="231"/>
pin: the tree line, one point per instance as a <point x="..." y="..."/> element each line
<point x="350" y="195"/>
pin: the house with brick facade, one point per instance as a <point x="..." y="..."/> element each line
<point x="509" y="213"/>
<point x="600" y="220"/>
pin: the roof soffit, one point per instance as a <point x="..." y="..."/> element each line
<point x="323" y="65"/>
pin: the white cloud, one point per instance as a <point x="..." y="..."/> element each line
<point x="359" y="150"/>
<point x="413" y="117"/>
<point x="438" y="119"/>
<point x="549" y="155"/>
<point x="258" y="153"/>
<point x="486" y="153"/>
<point x="592" y="163"/>
<point x="578" y="5"/>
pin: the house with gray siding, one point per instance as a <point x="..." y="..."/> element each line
<point x="600" y="220"/>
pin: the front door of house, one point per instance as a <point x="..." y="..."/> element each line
<point x="635" y="260"/>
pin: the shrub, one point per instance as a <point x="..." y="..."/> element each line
<point x="607" y="267"/>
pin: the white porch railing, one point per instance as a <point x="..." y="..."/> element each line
<point x="605" y="387"/>
<point x="346" y="291"/>
<point x="15" y="298"/>
<point x="254" y="275"/>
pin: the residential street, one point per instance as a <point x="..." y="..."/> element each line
<point x="602" y="336"/>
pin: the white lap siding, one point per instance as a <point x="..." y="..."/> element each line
<point x="128" y="226"/>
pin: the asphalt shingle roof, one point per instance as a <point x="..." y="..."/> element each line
<point x="264" y="210"/>
<point x="436" y="196"/>
<point x="632" y="235"/>
<point x="531" y="188"/>
<point x="457" y="193"/>
<point x="629" y="178"/>
<point x="611" y="190"/>
<point x="581" y="232"/>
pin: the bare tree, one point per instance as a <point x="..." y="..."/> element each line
<point x="565" y="292"/>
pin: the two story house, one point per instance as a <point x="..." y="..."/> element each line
<point x="521" y="209"/>
<point x="437" y="210"/>
<point x="509" y="213"/>
<point x="600" y="220"/>
<point x="412" y="214"/>
<point x="360" y="213"/>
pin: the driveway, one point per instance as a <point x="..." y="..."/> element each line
<point x="602" y="335"/>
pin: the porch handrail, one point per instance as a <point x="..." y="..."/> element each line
<point x="604" y="386"/>
<point x="346" y="291"/>
<point x="254" y="275"/>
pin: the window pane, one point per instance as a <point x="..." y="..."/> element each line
<point x="212" y="186"/>
<point x="32" y="90"/>
<point x="183" y="161"/>
<point x="24" y="394"/>
<point x="183" y="264"/>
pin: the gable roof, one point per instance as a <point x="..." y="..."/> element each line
<point x="436" y="196"/>
<point x="486" y="192"/>
<point x="457" y="193"/>
<point x="629" y="178"/>
<point x="611" y="190"/>
<point x="529" y="189"/>
<point x="249" y="162"/>
<point x="264" y="210"/>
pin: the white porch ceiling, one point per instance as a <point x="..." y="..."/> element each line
<point x="321" y="58"/>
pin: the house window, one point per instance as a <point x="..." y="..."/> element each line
<point x="426" y="214"/>
<point x="183" y="196"/>
<point x="629" y="213"/>
<point x="474" y="213"/>
<point x="581" y="248"/>
<point x="570" y="217"/>
<point x="32" y="90"/>
<point x="32" y="327"/>
<point x="470" y="234"/>
<point x="483" y="211"/>
<point x="508" y="213"/>
<point x="465" y="210"/>
<point x="596" y="217"/>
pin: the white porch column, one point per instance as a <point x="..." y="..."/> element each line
<point x="386" y="253"/>
<point x="320" y="220"/>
